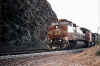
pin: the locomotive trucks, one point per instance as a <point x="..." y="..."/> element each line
<point x="64" y="34"/>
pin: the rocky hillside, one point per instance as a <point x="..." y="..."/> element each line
<point x="24" y="24"/>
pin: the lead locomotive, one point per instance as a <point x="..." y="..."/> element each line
<point x="65" y="34"/>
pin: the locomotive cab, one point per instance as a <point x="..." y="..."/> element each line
<point x="57" y="36"/>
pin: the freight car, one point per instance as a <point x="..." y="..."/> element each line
<point x="65" y="34"/>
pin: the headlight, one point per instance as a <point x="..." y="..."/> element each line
<point x="60" y="40"/>
<point x="50" y="40"/>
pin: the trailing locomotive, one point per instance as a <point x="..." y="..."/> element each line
<point x="64" y="34"/>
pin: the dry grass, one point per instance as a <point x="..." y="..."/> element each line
<point x="88" y="57"/>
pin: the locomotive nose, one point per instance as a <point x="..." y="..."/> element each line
<point x="66" y="38"/>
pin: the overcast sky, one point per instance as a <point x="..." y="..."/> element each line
<point x="85" y="13"/>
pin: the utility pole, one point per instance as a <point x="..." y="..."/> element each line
<point x="98" y="30"/>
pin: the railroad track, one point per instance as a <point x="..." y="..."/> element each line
<point x="42" y="53"/>
<point x="23" y="52"/>
<point x="31" y="51"/>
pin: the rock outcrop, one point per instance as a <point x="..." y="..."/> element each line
<point x="24" y="24"/>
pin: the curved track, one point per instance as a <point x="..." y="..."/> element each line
<point x="21" y="55"/>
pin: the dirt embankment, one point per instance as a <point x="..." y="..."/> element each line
<point x="87" y="58"/>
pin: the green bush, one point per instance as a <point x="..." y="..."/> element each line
<point x="98" y="53"/>
<point x="98" y="42"/>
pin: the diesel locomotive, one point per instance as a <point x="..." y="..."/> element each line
<point x="64" y="34"/>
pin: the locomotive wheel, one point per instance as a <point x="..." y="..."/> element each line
<point x="50" y="46"/>
<point x="93" y="43"/>
<point x="70" y="46"/>
<point x="67" y="44"/>
<point x="63" y="45"/>
<point x="90" y="44"/>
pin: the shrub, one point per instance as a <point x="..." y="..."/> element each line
<point x="98" y="53"/>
